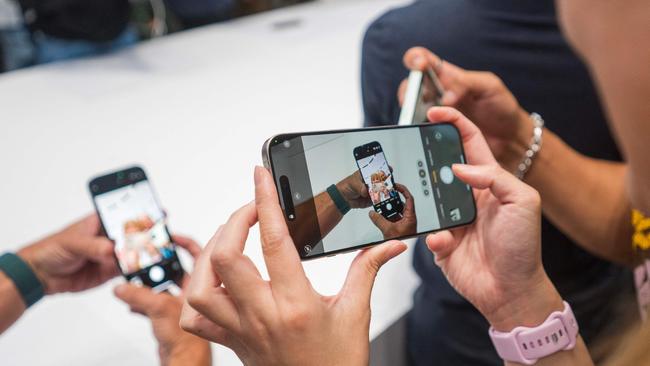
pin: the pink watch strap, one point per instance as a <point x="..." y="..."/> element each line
<point x="527" y="345"/>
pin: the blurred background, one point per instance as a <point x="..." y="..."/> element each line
<point x="39" y="31"/>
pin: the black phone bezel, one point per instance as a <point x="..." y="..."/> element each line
<point x="278" y="139"/>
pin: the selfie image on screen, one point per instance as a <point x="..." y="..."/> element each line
<point x="133" y="220"/>
<point x="341" y="190"/>
<point x="378" y="177"/>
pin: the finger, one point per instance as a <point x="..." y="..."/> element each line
<point x="380" y="221"/>
<point x="409" y="206"/>
<point x="503" y="185"/>
<point x="364" y="269"/>
<point x="280" y="254"/>
<point x="442" y="244"/>
<point x="205" y="294"/>
<point x="94" y="248"/>
<point x="420" y="58"/>
<point x="476" y="148"/>
<point x="139" y="299"/>
<point x="238" y="273"/>
<point x="193" y="322"/>
<point x="188" y="244"/>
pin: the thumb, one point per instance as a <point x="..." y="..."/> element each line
<point x="380" y="221"/>
<point x="97" y="249"/>
<point x="139" y="299"/>
<point x="503" y="185"/>
<point x="366" y="265"/>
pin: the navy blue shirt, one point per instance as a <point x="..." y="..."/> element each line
<point x="520" y="41"/>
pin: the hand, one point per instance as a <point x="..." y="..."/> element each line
<point x="74" y="259"/>
<point x="282" y="321"/>
<point x="355" y="191"/>
<point x="175" y="347"/>
<point x="406" y="226"/>
<point x="484" y="99"/>
<point x="495" y="263"/>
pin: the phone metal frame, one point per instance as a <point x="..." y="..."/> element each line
<point x="268" y="164"/>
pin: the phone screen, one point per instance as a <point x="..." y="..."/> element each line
<point x="377" y="175"/>
<point x="342" y="190"/>
<point x="135" y="222"/>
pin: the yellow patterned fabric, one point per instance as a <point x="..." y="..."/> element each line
<point x="641" y="238"/>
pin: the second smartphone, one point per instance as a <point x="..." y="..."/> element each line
<point x="344" y="190"/>
<point x="134" y="220"/>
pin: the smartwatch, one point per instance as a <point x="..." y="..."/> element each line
<point x="28" y="285"/>
<point x="338" y="199"/>
<point x="527" y="345"/>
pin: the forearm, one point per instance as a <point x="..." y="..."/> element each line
<point x="585" y="198"/>
<point x="12" y="306"/>
<point x="198" y="353"/>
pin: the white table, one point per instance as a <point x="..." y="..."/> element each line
<point x="194" y="109"/>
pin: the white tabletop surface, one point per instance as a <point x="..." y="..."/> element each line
<point x="194" y="109"/>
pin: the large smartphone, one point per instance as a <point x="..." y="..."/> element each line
<point x="134" y="220"/>
<point x="423" y="91"/>
<point x="329" y="183"/>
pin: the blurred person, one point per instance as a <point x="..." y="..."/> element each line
<point x="520" y="41"/>
<point x="195" y="13"/>
<point x="54" y="30"/>
<point x="78" y="258"/>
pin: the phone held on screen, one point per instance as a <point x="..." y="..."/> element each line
<point x="134" y="220"/>
<point x="423" y="91"/>
<point x="348" y="189"/>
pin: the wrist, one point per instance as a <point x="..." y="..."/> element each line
<point x="529" y="309"/>
<point x="26" y="255"/>
<point x="193" y="351"/>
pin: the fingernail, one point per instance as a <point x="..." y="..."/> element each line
<point x="119" y="289"/>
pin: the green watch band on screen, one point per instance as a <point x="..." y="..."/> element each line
<point x="28" y="285"/>
<point x="338" y="199"/>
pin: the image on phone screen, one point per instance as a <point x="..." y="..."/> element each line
<point x="378" y="177"/>
<point x="135" y="222"/>
<point x="396" y="183"/>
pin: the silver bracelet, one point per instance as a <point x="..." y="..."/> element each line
<point x="535" y="146"/>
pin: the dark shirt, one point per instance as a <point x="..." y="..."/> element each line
<point x="520" y="41"/>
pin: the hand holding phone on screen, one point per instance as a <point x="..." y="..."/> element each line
<point x="132" y="217"/>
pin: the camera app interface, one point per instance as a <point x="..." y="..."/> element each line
<point x="134" y="221"/>
<point x="341" y="190"/>
<point x="378" y="178"/>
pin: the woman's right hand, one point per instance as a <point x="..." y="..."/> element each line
<point x="495" y="263"/>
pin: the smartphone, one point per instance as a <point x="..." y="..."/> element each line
<point x="378" y="177"/>
<point x="329" y="183"/>
<point x="133" y="219"/>
<point x="423" y="91"/>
